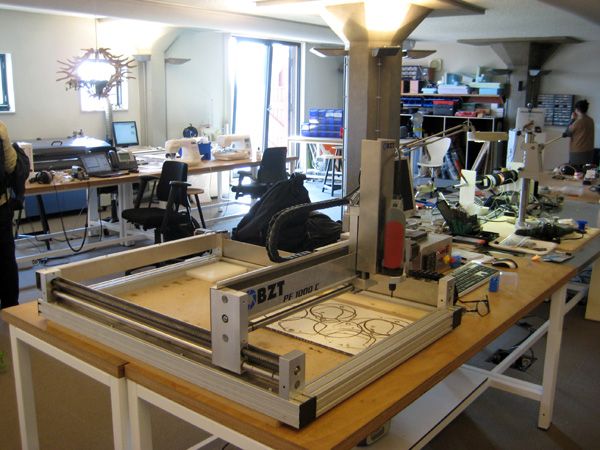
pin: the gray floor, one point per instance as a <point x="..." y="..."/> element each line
<point x="74" y="412"/>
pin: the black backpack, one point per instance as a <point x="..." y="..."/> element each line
<point x="305" y="231"/>
<point x="254" y="225"/>
<point x="13" y="184"/>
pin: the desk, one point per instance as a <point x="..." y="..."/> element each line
<point x="572" y="189"/>
<point x="585" y="254"/>
<point x="370" y="408"/>
<point x="305" y="142"/>
<point x="29" y="330"/>
<point x="125" y="192"/>
<point x="365" y="412"/>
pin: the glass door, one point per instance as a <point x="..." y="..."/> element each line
<point x="265" y="97"/>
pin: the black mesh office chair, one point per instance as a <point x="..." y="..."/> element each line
<point x="270" y="171"/>
<point x="168" y="223"/>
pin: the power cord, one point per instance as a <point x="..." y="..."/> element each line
<point x="523" y="362"/>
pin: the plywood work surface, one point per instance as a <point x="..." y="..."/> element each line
<point x="188" y="299"/>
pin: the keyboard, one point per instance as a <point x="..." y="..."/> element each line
<point x="471" y="276"/>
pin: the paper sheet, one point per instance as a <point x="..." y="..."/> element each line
<point x="341" y="326"/>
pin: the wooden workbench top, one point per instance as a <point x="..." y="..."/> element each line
<point x="26" y="318"/>
<point x="346" y="424"/>
<point x="205" y="167"/>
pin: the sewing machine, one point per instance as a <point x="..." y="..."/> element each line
<point x="233" y="146"/>
<point x="190" y="153"/>
<point x="231" y="320"/>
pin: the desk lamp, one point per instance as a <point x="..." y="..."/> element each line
<point x="409" y="147"/>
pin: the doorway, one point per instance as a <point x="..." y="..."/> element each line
<point x="265" y="90"/>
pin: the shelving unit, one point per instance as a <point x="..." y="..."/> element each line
<point x="435" y="123"/>
<point x="476" y="97"/>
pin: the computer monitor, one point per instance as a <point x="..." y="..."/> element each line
<point x="125" y="133"/>
<point x="403" y="185"/>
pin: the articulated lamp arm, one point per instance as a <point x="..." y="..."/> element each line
<point x="465" y="127"/>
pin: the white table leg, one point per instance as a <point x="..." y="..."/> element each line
<point x="553" y="341"/>
<point x="592" y="310"/>
<point x="21" y="341"/>
<point x="120" y="413"/>
<point x="139" y="399"/>
<point x="92" y="212"/>
<point x="125" y="193"/>
<point x="139" y="418"/>
<point x="24" y="390"/>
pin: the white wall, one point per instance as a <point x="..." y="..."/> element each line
<point x="575" y="69"/>
<point x="196" y="90"/>
<point x="457" y="58"/>
<point x="43" y="107"/>
<point x="323" y="83"/>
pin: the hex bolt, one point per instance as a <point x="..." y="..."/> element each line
<point x="224" y="298"/>
<point x="224" y="318"/>
<point x="225" y="338"/>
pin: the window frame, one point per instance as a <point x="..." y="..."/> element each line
<point x="295" y="79"/>
<point x="7" y="98"/>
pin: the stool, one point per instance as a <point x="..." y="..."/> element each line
<point x="330" y="168"/>
<point x="192" y="191"/>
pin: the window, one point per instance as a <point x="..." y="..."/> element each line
<point x="7" y="101"/>
<point x="266" y="84"/>
<point x="119" y="99"/>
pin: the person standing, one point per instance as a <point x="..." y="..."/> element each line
<point x="581" y="132"/>
<point x="9" y="272"/>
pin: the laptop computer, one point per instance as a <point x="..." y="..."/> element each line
<point x="97" y="165"/>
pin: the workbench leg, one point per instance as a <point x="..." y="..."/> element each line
<point x="592" y="309"/>
<point x="139" y="419"/>
<point x="92" y="210"/>
<point x="120" y="413"/>
<point x="24" y="390"/>
<point x="125" y="194"/>
<point x="553" y="341"/>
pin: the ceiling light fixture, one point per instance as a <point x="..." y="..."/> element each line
<point x="97" y="70"/>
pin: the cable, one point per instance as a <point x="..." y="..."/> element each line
<point x="62" y="223"/>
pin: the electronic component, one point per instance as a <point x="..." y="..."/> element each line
<point x="432" y="251"/>
<point x="546" y="232"/>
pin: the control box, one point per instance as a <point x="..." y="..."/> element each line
<point x="431" y="253"/>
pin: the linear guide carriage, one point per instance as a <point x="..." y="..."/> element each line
<point x="290" y="339"/>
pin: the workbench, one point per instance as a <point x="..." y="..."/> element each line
<point x="402" y="390"/>
<point x="570" y="188"/>
<point x="126" y="234"/>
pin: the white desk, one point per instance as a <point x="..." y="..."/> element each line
<point x="304" y="142"/>
<point x="27" y="331"/>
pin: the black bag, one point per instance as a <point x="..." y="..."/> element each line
<point x="254" y="225"/>
<point x="321" y="230"/>
<point x="13" y="184"/>
<point x="302" y="232"/>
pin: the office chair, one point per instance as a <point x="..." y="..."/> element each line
<point x="436" y="150"/>
<point x="171" y="188"/>
<point x="270" y="171"/>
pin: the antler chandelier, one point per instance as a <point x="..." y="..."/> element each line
<point x="97" y="70"/>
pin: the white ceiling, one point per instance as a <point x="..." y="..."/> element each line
<point x="503" y="18"/>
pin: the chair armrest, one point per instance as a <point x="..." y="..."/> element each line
<point x="245" y="173"/>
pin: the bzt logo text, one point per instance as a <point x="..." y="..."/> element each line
<point x="269" y="292"/>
